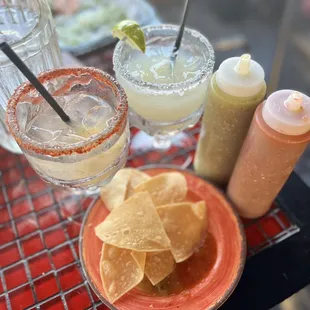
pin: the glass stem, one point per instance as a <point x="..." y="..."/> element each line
<point x="161" y="143"/>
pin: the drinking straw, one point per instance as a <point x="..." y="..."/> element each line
<point x="178" y="40"/>
<point x="21" y="66"/>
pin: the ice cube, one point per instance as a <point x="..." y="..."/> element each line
<point x="47" y="109"/>
<point x="45" y="125"/>
<point x="44" y="130"/>
<point x="161" y="70"/>
<point x="23" y="114"/>
<point x="78" y="105"/>
<point x="40" y="134"/>
<point x="86" y="112"/>
<point x="69" y="138"/>
<point x="90" y="111"/>
<point x="97" y="118"/>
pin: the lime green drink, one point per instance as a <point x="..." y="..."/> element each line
<point x="155" y="67"/>
<point x="164" y="97"/>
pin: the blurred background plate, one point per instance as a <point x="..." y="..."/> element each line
<point x="89" y="28"/>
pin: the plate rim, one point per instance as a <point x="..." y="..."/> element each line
<point x="240" y="269"/>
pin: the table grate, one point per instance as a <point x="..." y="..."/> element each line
<point x="39" y="228"/>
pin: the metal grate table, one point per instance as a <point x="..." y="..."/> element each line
<point x="39" y="230"/>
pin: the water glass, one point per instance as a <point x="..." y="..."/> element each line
<point x="27" y="25"/>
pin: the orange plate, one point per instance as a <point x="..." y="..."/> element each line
<point x="218" y="284"/>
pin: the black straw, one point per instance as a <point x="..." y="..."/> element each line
<point x="34" y="81"/>
<point x="178" y="41"/>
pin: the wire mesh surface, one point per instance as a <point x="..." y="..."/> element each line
<point x="39" y="229"/>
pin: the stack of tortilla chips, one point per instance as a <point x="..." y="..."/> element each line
<point x="150" y="228"/>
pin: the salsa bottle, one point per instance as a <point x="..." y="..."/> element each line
<point x="279" y="134"/>
<point x="235" y="91"/>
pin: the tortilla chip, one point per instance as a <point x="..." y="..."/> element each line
<point x="134" y="225"/>
<point x="185" y="224"/>
<point x="119" y="271"/>
<point x="140" y="258"/>
<point x="165" y="188"/>
<point x="158" y="266"/>
<point x="114" y="193"/>
<point x="122" y="187"/>
<point x="134" y="177"/>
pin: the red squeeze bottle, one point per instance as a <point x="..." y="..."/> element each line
<point x="278" y="135"/>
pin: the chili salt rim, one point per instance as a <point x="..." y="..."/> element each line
<point x="25" y="142"/>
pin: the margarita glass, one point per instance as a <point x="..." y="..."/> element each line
<point x="164" y="97"/>
<point x="87" y="155"/>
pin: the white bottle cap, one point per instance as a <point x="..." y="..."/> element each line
<point x="240" y="76"/>
<point x="288" y="112"/>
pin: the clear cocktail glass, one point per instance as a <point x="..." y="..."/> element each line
<point x="164" y="98"/>
<point x="87" y="155"/>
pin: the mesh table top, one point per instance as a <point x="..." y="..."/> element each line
<point x="39" y="231"/>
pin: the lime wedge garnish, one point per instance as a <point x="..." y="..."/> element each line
<point x="132" y="32"/>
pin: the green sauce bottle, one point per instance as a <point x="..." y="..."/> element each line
<point x="235" y="91"/>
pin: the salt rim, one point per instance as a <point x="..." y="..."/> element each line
<point x="119" y="118"/>
<point x="166" y="89"/>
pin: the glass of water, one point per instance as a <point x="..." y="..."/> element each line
<point x="84" y="156"/>
<point x="164" y="98"/>
<point x="27" y="25"/>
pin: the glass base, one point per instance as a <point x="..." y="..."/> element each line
<point x="86" y="192"/>
<point x="8" y="142"/>
<point x="73" y="202"/>
<point x="150" y="150"/>
<point x="11" y="147"/>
